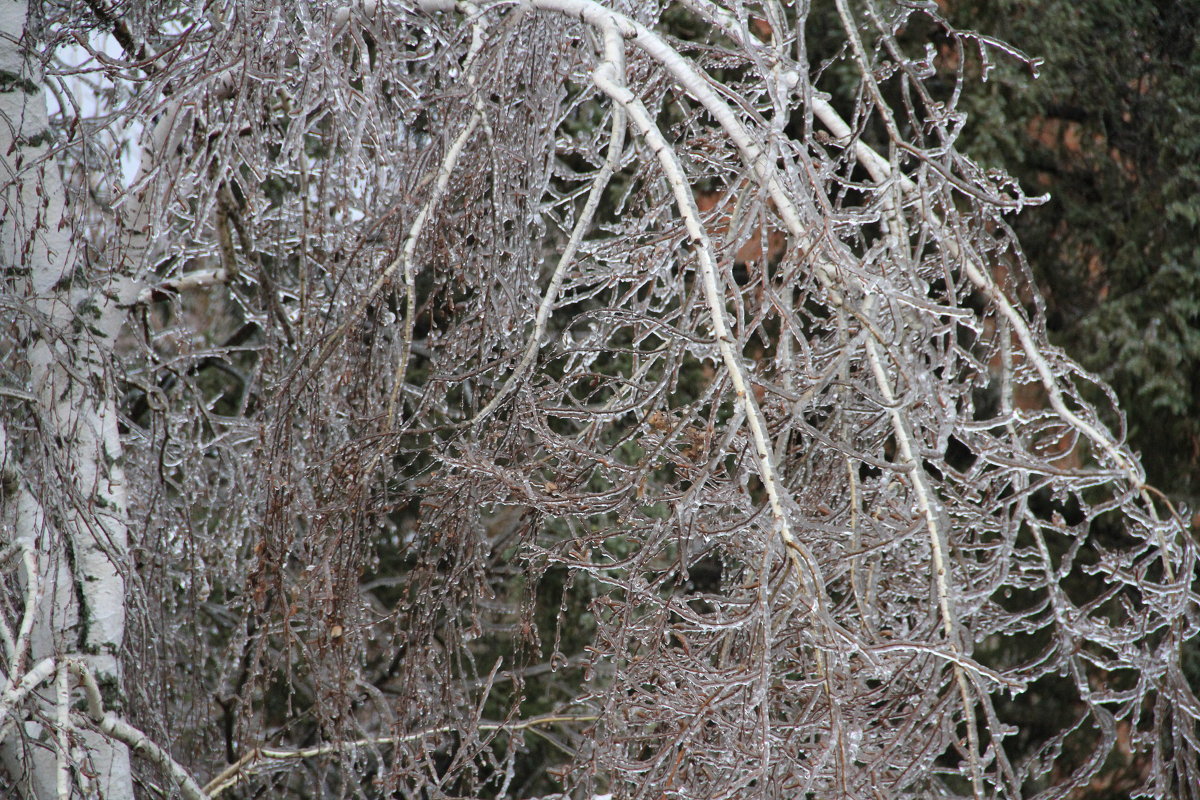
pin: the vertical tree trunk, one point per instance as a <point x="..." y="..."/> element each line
<point x="64" y="504"/>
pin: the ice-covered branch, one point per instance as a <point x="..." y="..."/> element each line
<point x="614" y="57"/>
<point x="116" y="727"/>
<point x="196" y="279"/>
<point x="19" y="686"/>
<point x="265" y="757"/>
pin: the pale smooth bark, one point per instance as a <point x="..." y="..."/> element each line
<point x="69" y="523"/>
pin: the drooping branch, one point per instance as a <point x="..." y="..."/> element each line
<point x="116" y="727"/>
<point x="726" y="411"/>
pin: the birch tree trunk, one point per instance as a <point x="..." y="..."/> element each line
<point x="64" y="497"/>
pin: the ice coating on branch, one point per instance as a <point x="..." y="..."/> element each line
<point x="600" y="376"/>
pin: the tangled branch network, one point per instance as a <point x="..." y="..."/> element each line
<point x="631" y="398"/>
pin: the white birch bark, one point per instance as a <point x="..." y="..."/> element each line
<point x="69" y="524"/>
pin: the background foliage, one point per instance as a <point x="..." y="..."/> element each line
<point x="1109" y="130"/>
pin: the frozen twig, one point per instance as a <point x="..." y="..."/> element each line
<point x="614" y="56"/>
<point x="937" y="542"/>
<point x="980" y="276"/>
<point x="714" y="294"/>
<point x="409" y="248"/>
<point x="62" y="733"/>
<point x="263" y="757"/>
